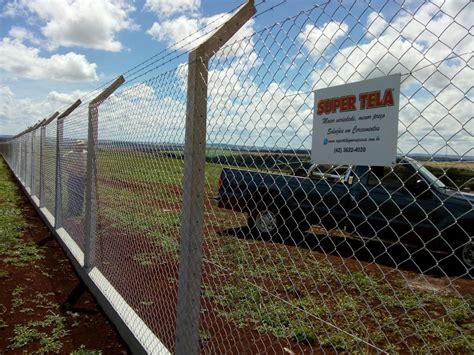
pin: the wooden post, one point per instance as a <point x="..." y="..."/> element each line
<point x="58" y="200"/>
<point x="189" y="287"/>
<point x="91" y="183"/>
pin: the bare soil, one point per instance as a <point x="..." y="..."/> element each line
<point x="45" y="285"/>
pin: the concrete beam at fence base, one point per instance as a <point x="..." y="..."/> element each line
<point x="190" y="261"/>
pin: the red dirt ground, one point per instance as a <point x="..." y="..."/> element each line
<point x="157" y="305"/>
<point x="55" y="277"/>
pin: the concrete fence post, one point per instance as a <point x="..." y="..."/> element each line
<point x="91" y="182"/>
<point x="42" y="185"/>
<point x="41" y="168"/>
<point x="33" y="160"/>
<point x="32" y="165"/>
<point x="27" y="161"/>
<point x="23" y="159"/>
<point x="58" y="199"/>
<point x="190" y="261"/>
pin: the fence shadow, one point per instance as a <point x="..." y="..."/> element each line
<point x="382" y="253"/>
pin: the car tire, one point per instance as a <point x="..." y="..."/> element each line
<point x="267" y="223"/>
<point x="461" y="249"/>
<point x="465" y="254"/>
<point x="264" y="223"/>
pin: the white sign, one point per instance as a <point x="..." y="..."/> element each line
<point x="357" y="123"/>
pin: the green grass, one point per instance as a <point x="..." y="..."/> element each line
<point x="286" y="307"/>
<point x="133" y="166"/>
<point x="14" y="249"/>
<point x="17" y="300"/>
<point x="82" y="350"/>
<point x="272" y="289"/>
<point x="47" y="332"/>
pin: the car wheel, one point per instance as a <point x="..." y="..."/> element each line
<point x="268" y="223"/>
<point x="265" y="223"/>
<point x="466" y="254"/>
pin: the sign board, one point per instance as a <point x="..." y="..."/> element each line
<point x="357" y="123"/>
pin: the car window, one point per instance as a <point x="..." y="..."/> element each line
<point x="330" y="173"/>
<point x="391" y="178"/>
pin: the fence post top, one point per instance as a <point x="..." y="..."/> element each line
<point x="71" y="108"/>
<point x="210" y="46"/>
<point x="50" y="119"/>
<point x="107" y="92"/>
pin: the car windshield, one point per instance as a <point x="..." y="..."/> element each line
<point x="432" y="180"/>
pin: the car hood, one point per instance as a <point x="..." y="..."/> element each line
<point x="462" y="196"/>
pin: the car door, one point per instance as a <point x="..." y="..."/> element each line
<point x="387" y="207"/>
<point x="323" y="196"/>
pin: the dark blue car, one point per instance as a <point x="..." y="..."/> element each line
<point x="401" y="204"/>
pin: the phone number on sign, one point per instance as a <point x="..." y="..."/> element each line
<point x="350" y="150"/>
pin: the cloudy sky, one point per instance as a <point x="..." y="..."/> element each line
<point x="54" y="51"/>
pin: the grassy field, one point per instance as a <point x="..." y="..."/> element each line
<point x="459" y="175"/>
<point x="286" y="291"/>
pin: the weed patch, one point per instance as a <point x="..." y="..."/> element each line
<point x="13" y="249"/>
<point x="48" y="332"/>
<point x="84" y="351"/>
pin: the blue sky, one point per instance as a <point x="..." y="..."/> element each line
<point x="32" y="31"/>
<point x="52" y="52"/>
<point x="136" y="44"/>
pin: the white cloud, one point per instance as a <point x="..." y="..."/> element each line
<point x="186" y="33"/>
<point x="22" y="34"/>
<point x="83" y="23"/>
<point x="18" y="113"/>
<point x="409" y="42"/>
<point x="271" y="116"/>
<point x="435" y="108"/>
<point x="140" y="91"/>
<point x="166" y="8"/>
<point x="26" y="62"/>
<point x="318" y="39"/>
<point x="161" y="115"/>
<point x="62" y="98"/>
<point x="175" y="30"/>
<point x="376" y="24"/>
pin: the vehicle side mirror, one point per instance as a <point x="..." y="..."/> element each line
<point x="420" y="187"/>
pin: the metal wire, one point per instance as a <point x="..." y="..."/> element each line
<point x="297" y="257"/>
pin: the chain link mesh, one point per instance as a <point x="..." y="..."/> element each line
<point x="139" y="193"/>
<point x="36" y="161"/>
<point x="73" y="174"/>
<point x="340" y="258"/>
<point x="49" y="158"/>
<point x="297" y="257"/>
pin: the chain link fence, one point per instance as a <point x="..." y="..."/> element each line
<point x="288" y="256"/>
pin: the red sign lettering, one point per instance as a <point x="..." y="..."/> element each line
<point x="343" y="104"/>
<point x="373" y="99"/>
